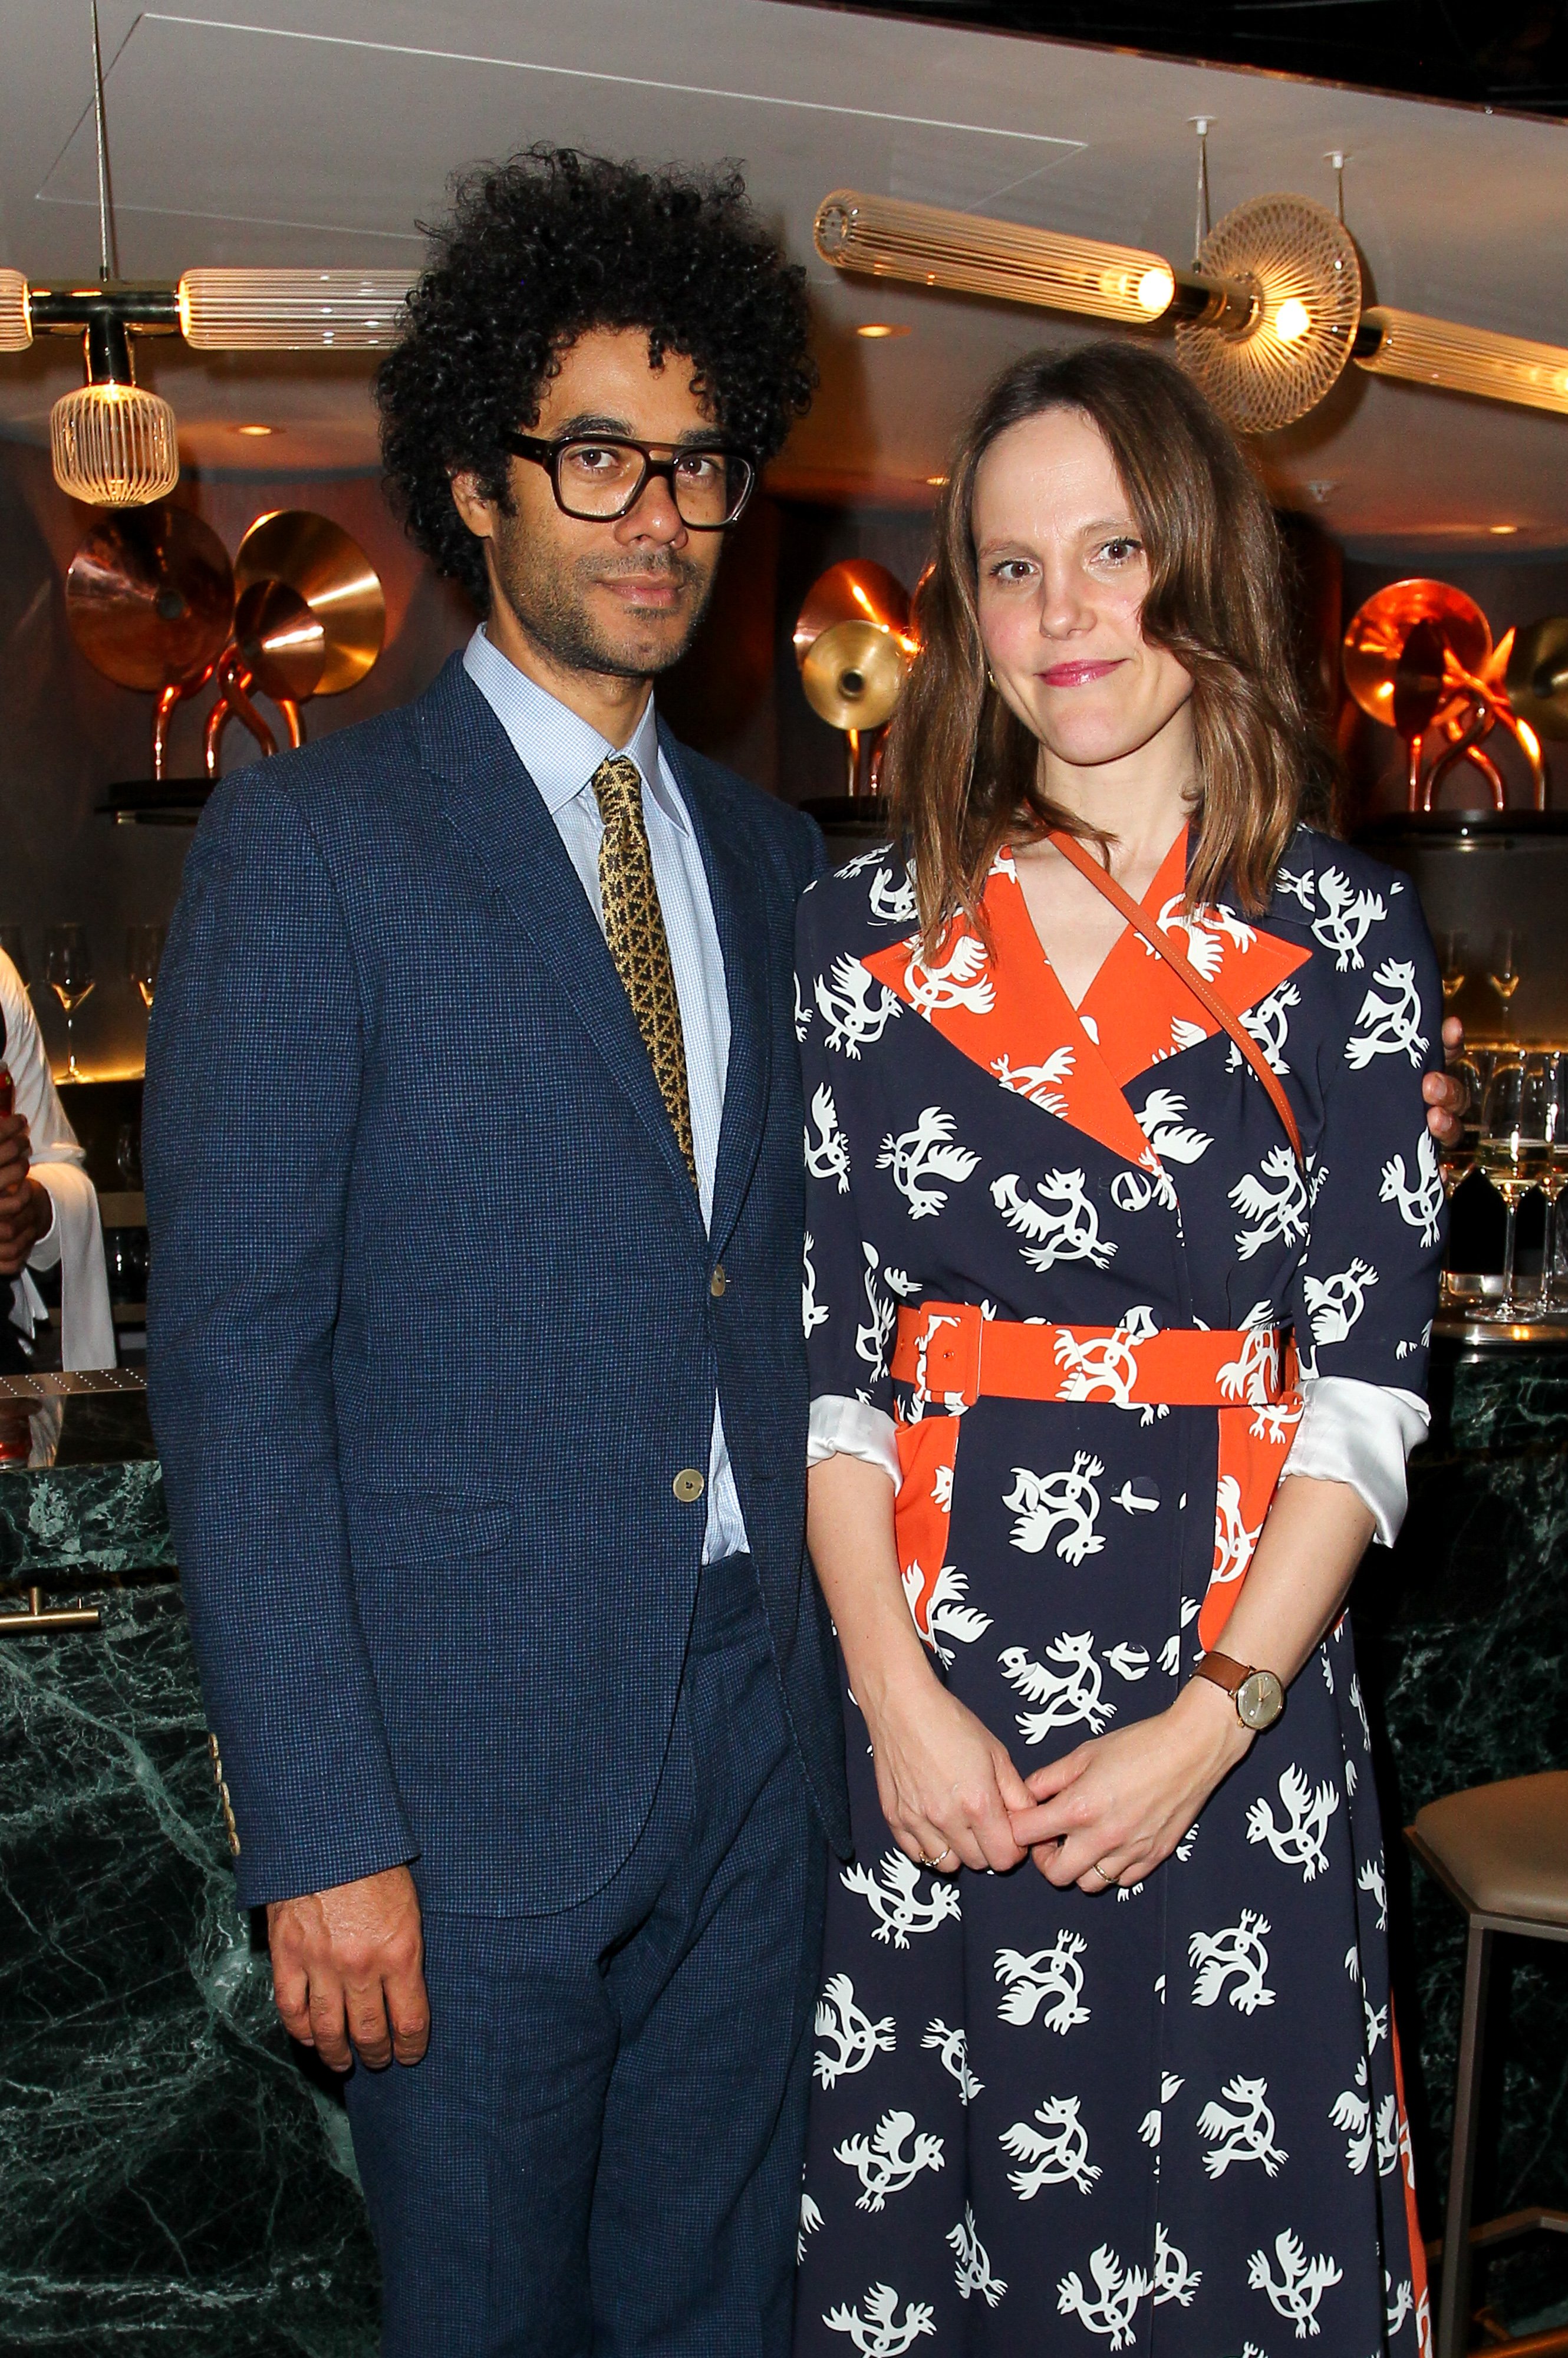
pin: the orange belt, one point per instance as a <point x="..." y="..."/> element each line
<point x="948" y="1351"/>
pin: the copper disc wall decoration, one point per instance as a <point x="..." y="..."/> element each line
<point x="282" y="644"/>
<point x="1537" y="675"/>
<point x="858" y="591"/>
<point x="149" y="596"/>
<point x="853" y="674"/>
<point x="331" y="573"/>
<point x="1380" y="632"/>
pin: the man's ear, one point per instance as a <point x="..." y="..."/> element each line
<point x="476" y="511"/>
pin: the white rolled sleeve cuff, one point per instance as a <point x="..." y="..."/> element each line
<point x="841" y="1427"/>
<point x="1361" y="1435"/>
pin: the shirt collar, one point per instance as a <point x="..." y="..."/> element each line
<point x="560" y="750"/>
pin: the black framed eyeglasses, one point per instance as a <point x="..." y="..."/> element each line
<point x="598" y="478"/>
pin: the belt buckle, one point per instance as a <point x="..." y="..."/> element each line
<point x="948" y="1355"/>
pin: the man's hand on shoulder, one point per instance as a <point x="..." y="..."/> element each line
<point x="1446" y="1095"/>
<point x="347" y="1971"/>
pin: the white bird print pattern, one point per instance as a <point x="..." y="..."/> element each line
<point x="1169" y="2116"/>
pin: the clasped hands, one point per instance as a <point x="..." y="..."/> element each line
<point x="27" y="1208"/>
<point x="1108" y="1812"/>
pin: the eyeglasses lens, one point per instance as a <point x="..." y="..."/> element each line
<point x="603" y="479"/>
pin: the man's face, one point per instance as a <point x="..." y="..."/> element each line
<point x="619" y="599"/>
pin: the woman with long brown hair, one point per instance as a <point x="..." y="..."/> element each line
<point x="1124" y="1230"/>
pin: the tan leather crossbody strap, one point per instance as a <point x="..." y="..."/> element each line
<point x="1107" y="886"/>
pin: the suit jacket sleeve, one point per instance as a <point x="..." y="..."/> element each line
<point x="254" y="1076"/>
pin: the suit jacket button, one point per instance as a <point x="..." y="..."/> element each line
<point x="688" y="1485"/>
<point x="717" y="1284"/>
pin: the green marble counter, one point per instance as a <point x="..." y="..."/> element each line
<point x="1463" y="1636"/>
<point x="174" y="2181"/>
<point x="90" y="1499"/>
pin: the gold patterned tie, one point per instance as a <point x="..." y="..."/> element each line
<point x="634" y="929"/>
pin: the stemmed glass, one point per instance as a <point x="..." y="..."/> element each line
<point x="1453" y="957"/>
<point x="1514" y="1148"/>
<point x="1504" y="977"/>
<point x="143" y="948"/>
<point x="68" y="971"/>
<point x="1554" y="1091"/>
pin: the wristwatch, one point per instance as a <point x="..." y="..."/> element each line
<point x="1257" y="1696"/>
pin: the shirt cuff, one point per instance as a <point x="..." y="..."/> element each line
<point x="1360" y="1434"/>
<point x="46" y="1251"/>
<point x="849" y="1428"/>
<point x="76" y="1241"/>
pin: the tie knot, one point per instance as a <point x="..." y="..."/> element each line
<point x="618" y="788"/>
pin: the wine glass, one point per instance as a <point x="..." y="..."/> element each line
<point x="68" y="971"/>
<point x="1453" y="957"/>
<point x="1507" y="950"/>
<point x="143" y="948"/>
<point x="1513" y="1148"/>
<point x="1554" y="1087"/>
<point x="1456" y="1157"/>
<point x="14" y="944"/>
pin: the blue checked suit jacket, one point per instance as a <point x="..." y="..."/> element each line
<point x="431" y="1327"/>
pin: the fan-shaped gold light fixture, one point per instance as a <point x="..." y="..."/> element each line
<point x="1300" y="265"/>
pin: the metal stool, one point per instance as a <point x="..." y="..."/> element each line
<point x="1501" y="1852"/>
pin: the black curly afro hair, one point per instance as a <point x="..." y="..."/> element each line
<point x="537" y="252"/>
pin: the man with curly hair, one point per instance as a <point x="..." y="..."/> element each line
<point x="472" y="1151"/>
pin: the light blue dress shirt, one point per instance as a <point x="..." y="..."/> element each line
<point x="560" y="752"/>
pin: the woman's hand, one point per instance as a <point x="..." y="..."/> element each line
<point x="1110" y="1812"/>
<point x="945" y="1784"/>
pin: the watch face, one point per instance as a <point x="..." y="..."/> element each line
<point x="1259" y="1699"/>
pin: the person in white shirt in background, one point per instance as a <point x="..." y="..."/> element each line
<point x="49" y="1207"/>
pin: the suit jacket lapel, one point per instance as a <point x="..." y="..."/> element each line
<point x="740" y="914"/>
<point x="492" y="801"/>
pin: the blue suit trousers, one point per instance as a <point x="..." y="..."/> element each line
<point x="600" y="2152"/>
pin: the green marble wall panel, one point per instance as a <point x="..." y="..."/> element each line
<point x="173" y="2183"/>
<point x="92" y="1503"/>
<point x="1463" y="1636"/>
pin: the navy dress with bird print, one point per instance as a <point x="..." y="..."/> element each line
<point x="1165" y="2120"/>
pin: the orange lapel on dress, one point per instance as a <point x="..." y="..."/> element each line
<point x="1142" y="1010"/>
<point x="1006" y="1011"/>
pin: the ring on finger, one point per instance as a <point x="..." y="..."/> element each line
<point x="1104" y="1873"/>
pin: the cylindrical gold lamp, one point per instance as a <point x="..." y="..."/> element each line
<point x="16" y="323"/>
<point x="930" y="247"/>
<point x="1462" y="360"/>
<point x="291" y="310"/>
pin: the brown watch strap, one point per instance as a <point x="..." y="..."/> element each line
<point x="1224" y="1670"/>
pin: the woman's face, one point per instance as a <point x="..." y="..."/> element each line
<point x="1063" y="576"/>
